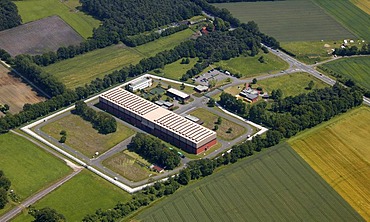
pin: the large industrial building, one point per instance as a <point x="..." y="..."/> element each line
<point x="160" y="122"/>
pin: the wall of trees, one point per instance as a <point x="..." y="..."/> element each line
<point x="9" y="17"/>
<point x="4" y="187"/>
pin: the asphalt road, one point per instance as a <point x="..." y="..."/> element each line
<point x="16" y="210"/>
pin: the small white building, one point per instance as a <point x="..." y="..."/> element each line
<point x="140" y="83"/>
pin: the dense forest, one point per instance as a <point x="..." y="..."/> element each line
<point x="9" y="17"/>
<point x="154" y="150"/>
<point x="225" y="1"/>
<point x="130" y="17"/>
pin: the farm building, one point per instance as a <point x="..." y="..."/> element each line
<point x="177" y="94"/>
<point x="158" y="121"/>
<point x="140" y="83"/>
<point x="251" y="97"/>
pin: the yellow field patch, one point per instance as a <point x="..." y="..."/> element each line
<point x="339" y="151"/>
<point x="364" y="5"/>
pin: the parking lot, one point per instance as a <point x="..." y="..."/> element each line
<point x="204" y="78"/>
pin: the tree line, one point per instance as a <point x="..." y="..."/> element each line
<point x="353" y="50"/>
<point x="101" y="121"/>
<point x="9" y="17"/>
<point x="154" y="150"/>
<point x="4" y="188"/>
<point x="226" y="1"/>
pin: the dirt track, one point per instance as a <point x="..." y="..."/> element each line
<point x="14" y="92"/>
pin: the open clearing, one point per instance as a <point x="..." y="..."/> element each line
<point x="82" y="195"/>
<point x="82" y="69"/>
<point x="32" y="10"/>
<point x="339" y="151"/>
<point x="29" y="168"/>
<point x="15" y="93"/>
<point x="83" y="137"/>
<point x="291" y="20"/>
<point x="356" y="68"/>
<point x="129" y="165"/>
<point x="175" y="70"/>
<point x="250" y="66"/>
<point x="364" y="5"/>
<point x="210" y="119"/>
<point x="349" y="15"/>
<point x="276" y="185"/>
<point x="38" y="37"/>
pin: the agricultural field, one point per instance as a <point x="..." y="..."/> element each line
<point x="364" y="5"/>
<point x="16" y="93"/>
<point x="349" y="15"/>
<point x="210" y="120"/>
<point x="339" y="151"/>
<point x="275" y="185"/>
<point x="29" y="168"/>
<point x="82" y="69"/>
<point x="250" y="66"/>
<point x="292" y="20"/>
<point x="129" y="165"/>
<point x="83" y="137"/>
<point x="32" y="10"/>
<point x="82" y="195"/>
<point x="176" y="70"/>
<point x="355" y="68"/>
<point x="38" y="37"/>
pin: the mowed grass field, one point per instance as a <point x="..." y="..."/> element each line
<point x="291" y="20"/>
<point x="364" y="5"/>
<point x="355" y="68"/>
<point x="250" y="66"/>
<point x="349" y="15"/>
<point x="32" y="10"/>
<point x="29" y="167"/>
<point x="210" y="120"/>
<point x="82" y="195"/>
<point x="339" y="151"/>
<point x="129" y="165"/>
<point x="15" y="93"/>
<point x="82" y="69"/>
<point x="176" y="70"/>
<point x="83" y="137"/>
<point x="275" y="185"/>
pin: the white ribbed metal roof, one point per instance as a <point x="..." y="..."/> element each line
<point x="158" y="115"/>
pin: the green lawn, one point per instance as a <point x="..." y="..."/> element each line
<point x="31" y="10"/>
<point x="295" y="20"/>
<point x="83" y="68"/>
<point x="176" y="70"/>
<point x="82" y="195"/>
<point x="276" y="185"/>
<point x="348" y="14"/>
<point x="250" y="66"/>
<point x="165" y="43"/>
<point x="29" y="168"/>
<point x="82" y="137"/>
<point x="356" y="68"/>
<point x="210" y="119"/>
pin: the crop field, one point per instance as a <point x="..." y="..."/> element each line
<point x="28" y="167"/>
<point x="250" y="66"/>
<point x="83" y="137"/>
<point x="176" y="70"/>
<point x="349" y="15"/>
<point x="38" y="37"/>
<point x="210" y="119"/>
<point x="84" y="68"/>
<point x="275" y="185"/>
<point x="82" y="195"/>
<point x="129" y="165"/>
<point x="32" y="10"/>
<point x="291" y="20"/>
<point x="364" y="5"/>
<point x="356" y="69"/>
<point x="15" y="93"/>
<point x="339" y="151"/>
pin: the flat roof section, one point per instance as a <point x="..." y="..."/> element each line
<point x="158" y="115"/>
<point x="178" y="93"/>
